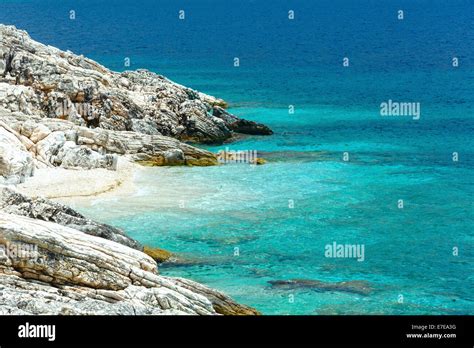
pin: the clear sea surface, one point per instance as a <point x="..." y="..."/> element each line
<point x="240" y="226"/>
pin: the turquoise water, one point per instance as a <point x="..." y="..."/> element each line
<point x="204" y="214"/>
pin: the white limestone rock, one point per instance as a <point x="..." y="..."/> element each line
<point x="87" y="272"/>
<point x="43" y="80"/>
<point x="16" y="163"/>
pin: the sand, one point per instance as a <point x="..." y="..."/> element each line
<point x="60" y="183"/>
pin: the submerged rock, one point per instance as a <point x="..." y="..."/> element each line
<point x="157" y="254"/>
<point x="259" y="161"/>
<point x="354" y="286"/>
<point x="184" y="260"/>
<point x="217" y="240"/>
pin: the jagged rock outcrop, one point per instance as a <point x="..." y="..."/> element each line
<point x="22" y="149"/>
<point x="52" y="83"/>
<point x="62" y="143"/>
<point x="69" y="111"/>
<point x="44" y="209"/>
<point x="46" y="268"/>
<point x="240" y="125"/>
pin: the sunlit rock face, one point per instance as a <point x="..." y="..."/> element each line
<point x="48" y="268"/>
<point x="58" y="84"/>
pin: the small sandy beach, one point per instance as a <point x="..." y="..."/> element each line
<point x="63" y="184"/>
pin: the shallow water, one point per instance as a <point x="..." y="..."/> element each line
<point x="205" y="213"/>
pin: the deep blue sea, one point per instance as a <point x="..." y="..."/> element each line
<point x="241" y="226"/>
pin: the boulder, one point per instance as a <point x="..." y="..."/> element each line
<point x="73" y="156"/>
<point x="49" y="147"/>
<point x="39" y="133"/>
<point x="157" y="254"/>
<point x="174" y="157"/>
<point x="16" y="163"/>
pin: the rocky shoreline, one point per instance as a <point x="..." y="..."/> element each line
<point x="63" y="112"/>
